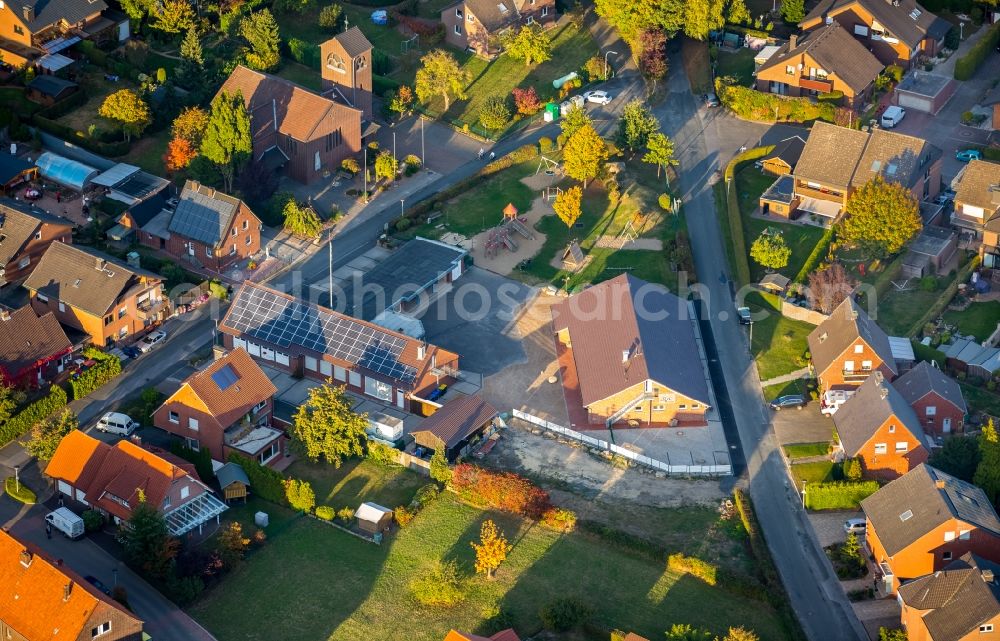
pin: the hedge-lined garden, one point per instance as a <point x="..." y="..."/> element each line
<point x="839" y="495"/>
<point x="767" y="107"/>
<point x="19" y="424"/>
<point x="103" y="371"/>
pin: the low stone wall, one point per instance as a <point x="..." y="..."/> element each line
<point x="801" y="313"/>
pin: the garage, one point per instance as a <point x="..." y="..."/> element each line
<point x="925" y="92"/>
<point x="915" y="102"/>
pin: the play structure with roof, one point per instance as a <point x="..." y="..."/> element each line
<point x="502" y="235"/>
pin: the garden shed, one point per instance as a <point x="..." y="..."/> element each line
<point x="233" y="482"/>
<point x="15" y="171"/>
<point x="775" y="283"/>
<point x="373" y="518"/>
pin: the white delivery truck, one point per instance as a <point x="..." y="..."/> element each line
<point x="66" y="522"/>
<point x="892" y="117"/>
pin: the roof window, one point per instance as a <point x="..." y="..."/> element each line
<point x="915" y="14"/>
<point x="906" y="516"/>
<point x="502" y="7"/>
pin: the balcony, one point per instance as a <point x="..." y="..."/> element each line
<point x="804" y="191"/>
<point x="815" y="84"/>
<point x="250" y="439"/>
<point x="856" y="375"/>
<point x="150" y="309"/>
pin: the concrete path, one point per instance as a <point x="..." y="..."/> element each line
<point x="614" y="242"/>
<point x="786" y="378"/>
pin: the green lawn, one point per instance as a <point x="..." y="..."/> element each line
<point x="357" y="481"/>
<point x="806" y="450"/>
<point x="979" y="320"/>
<point x="147" y="152"/>
<point x="300" y="74"/>
<point x="981" y="399"/>
<point x="899" y="310"/>
<point x="315" y="582"/>
<point x="97" y="88"/>
<point x="737" y="63"/>
<point x="305" y="26"/>
<point x="772" y="392"/>
<point x="821" y="472"/>
<point x="777" y="341"/>
<point x="482" y="208"/>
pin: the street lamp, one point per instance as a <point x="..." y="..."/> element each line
<point x="606" y="54"/>
<point x="402" y="212"/>
<point x="17" y="478"/>
<point x="803" y="494"/>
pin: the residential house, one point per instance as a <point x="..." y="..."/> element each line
<point x="503" y="635"/>
<point x="924" y="520"/>
<point x="477" y="25"/>
<point x="836" y="161"/>
<point x="225" y="408"/>
<point x="33" y="349"/>
<point x="130" y="223"/>
<point x="781" y="161"/>
<point x="848" y="346"/>
<point x="113" y="479"/>
<point x="35" y="31"/>
<point x="15" y="171"/>
<point x="935" y="397"/>
<point x="629" y="354"/>
<point x="41" y="599"/>
<point x="958" y="603"/>
<point x="205" y="227"/>
<point x="25" y="233"/>
<point x="897" y="32"/>
<point x="992" y="100"/>
<point x="977" y="209"/>
<point x="823" y="61"/>
<point x="304" y="339"/>
<point x="96" y="294"/>
<point x="306" y="133"/>
<point x="457" y="426"/>
<point x="879" y="427"/>
<point x="347" y="69"/>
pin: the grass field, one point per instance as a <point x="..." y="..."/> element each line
<point x="898" y="311"/>
<point x="300" y="74"/>
<point x="806" y="450"/>
<point x="738" y="64"/>
<point x="147" y="152"/>
<point x="772" y="392"/>
<point x="981" y="400"/>
<point x="315" y="582"/>
<point x="305" y="26"/>
<point x="821" y="472"/>
<point x="777" y="341"/>
<point x="357" y="481"/>
<point x="979" y="320"/>
<point x="97" y="89"/>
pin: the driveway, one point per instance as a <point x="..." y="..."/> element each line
<point x="804" y="426"/>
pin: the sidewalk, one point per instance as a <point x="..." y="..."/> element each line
<point x="947" y="68"/>
<point x="786" y="378"/>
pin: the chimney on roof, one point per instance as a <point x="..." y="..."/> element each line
<point x="793" y="41"/>
<point x="67" y="590"/>
<point x="29" y="13"/>
<point x="421" y="351"/>
<point x="987" y="576"/>
<point x="26" y="557"/>
<point x="883" y="392"/>
<point x="823" y="337"/>
<point x="100" y="264"/>
<point x="852" y="312"/>
<point x="879" y="378"/>
<point x="4" y="315"/>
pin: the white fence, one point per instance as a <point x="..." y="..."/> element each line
<point x="680" y="470"/>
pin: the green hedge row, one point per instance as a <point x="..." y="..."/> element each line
<point x="19" y="424"/>
<point x="966" y="66"/>
<point x="112" y="149"/>
<point x="382" y="84"/>
<point x="104" y="370"/>
<point x="201" y="459"/>
<point x="768" y="107"/>
<point x="733" y="213"/>
<point x="265" y="482"/>
<point x="817" y="255"/>
<point x="839" y="495"/>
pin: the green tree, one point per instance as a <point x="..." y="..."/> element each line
<point x="146" y="542"/>
<point x="660" y="152"/>
<point x="891" y="634"/>
<point x="227" y="141"/>
<point x="703" y="16"/>
<point x="126" y="108"/>
<point x="631" y="18"/>
<point x="770" y="251"/>
<point x="293" y="6"/>
<point x="568" y="205"/>
<point x="988" y="471"/>
<point x="494" y="115"/>
<point x="740" y="634"/>
<point x="191" y="125"/>
<point x="851" y="550"/>
<point x="301" y="220"/>
<point x="300" y="495"/>
<point x="574" y="120"/>
<point x="136" y="10"/>
<point x="881" y="217"/>
<point x="386" y="166"/>
<point x="958" y="456"/>
<point x="584" y="155"/>
<point x="793" y="11"/>
<point x="326" y="426"/>
<point x="260" y="30"/>
<point x="330" y="16"/>
<point x="401" y="100"/>
<point x="7" y="402"/>
<point x="441" y="75"/>
<point x="636" y="125"/>
<point x="48" y="433"/>
<point x="686" y="632"/>
<point x="852" y="469"/>
<point x="737" y="12"/>
<point x="173" y="16"/>
<point x="529" y="43"/>
<point x="191" y="69"/>
<point x="440" y="471"/>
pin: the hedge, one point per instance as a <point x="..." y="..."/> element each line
<point x="19" y="424"/>
<point x="817" y="255"/>
<point x="202" y="459"/>
<point x="733" y="213"/>
<point x="504" y="491"/>
<point x="69" y="134"/>
<point x="305" y="53"/>
<point x="966" y="66"/>
<point x="756" y="105"/>
<point x="104" y="371"/>
<point x="382" y="84"/>
<point x="839" y="495"/>
<point x="265" y="482"/>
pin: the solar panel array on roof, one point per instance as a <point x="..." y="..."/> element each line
<point x="201" y="216"/>
<point x="225" y="377"/>
<point x="283" y="322"/>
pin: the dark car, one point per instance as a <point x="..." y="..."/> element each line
<point x="711" y="100"/>
<point x="791" y="400"/>
<point x="132" y="352"/>
<point x="94" y="581"/>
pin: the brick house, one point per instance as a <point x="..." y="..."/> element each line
<point x="110" y="479"/>
<point x="897" y="32"/>
<point x="836" y="161"/>
<point x="959" y="603"/>
<point x="25" y="233"/>
<point x="478" y="24"/>
<point x="34" y="31"/>
<point x="225" y="408"/>
<point x="631" y="349"/>
<point x="935" y="398"/>
<point x="41" y="598"/>
<point x="977" y="209"/>
<point x="33" y="349"/>
<point x="205" y="227"/>
<point x="823" y="61"/>
<point x="848" y="346"/>
<point x="96" y="294"/>
<point x="924" y="520"/>
<point x="347" y="69"/>
<point x="304" y="339"/>
<point x="879" y="427"/>
<point x="302" y="131"/>
<point x="503" y="635"/>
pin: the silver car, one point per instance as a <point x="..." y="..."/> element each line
<point x="599" y="97"/>
<point x="855" y="526"/>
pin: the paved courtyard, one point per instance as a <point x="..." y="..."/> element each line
<point x="802" y="426"/>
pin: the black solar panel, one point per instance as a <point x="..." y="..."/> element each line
<point x="274" y="319"/>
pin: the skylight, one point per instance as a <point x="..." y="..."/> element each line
<point x="876" y="165"/>
<point x="225" y="377"/>
<point x="915" y="14"/>
<point x="906" y="516"/>
<point x="890" y="169"/>
<point x="502" y="7"/>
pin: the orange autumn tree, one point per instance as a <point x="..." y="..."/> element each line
<point x="179" y="154"/>
<point x="491" y="550"/>
<point x="188" y="129"/>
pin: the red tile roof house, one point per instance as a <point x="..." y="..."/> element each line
<point x="847" y="347"/>
<point x="503" y="635"/>
<point x="110" y="479"/>
<point x="225" y="408"/>
<point x="33" y="349"/>
<point x="959" y="603"/>
<point x="924" y="520"/>
<point x="478" y="24"/>
<point x="304" y="339"/>
<point x="25" y="233"/>
<point x="629" y="356"/>
<point x="935" y="397"/>
<point x="879" y="426"/>
<point x="43" y="600"/>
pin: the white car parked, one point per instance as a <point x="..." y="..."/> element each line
<point x="151" y="340"/>
<point x="599" y="97"/>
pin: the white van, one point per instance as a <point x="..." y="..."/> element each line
<point x="115" y="423"/>
<point x="567" y="105"/>
<point x="892" y="117"/>
<point x="66" y="522"/>
<point x="833" y="399"/>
